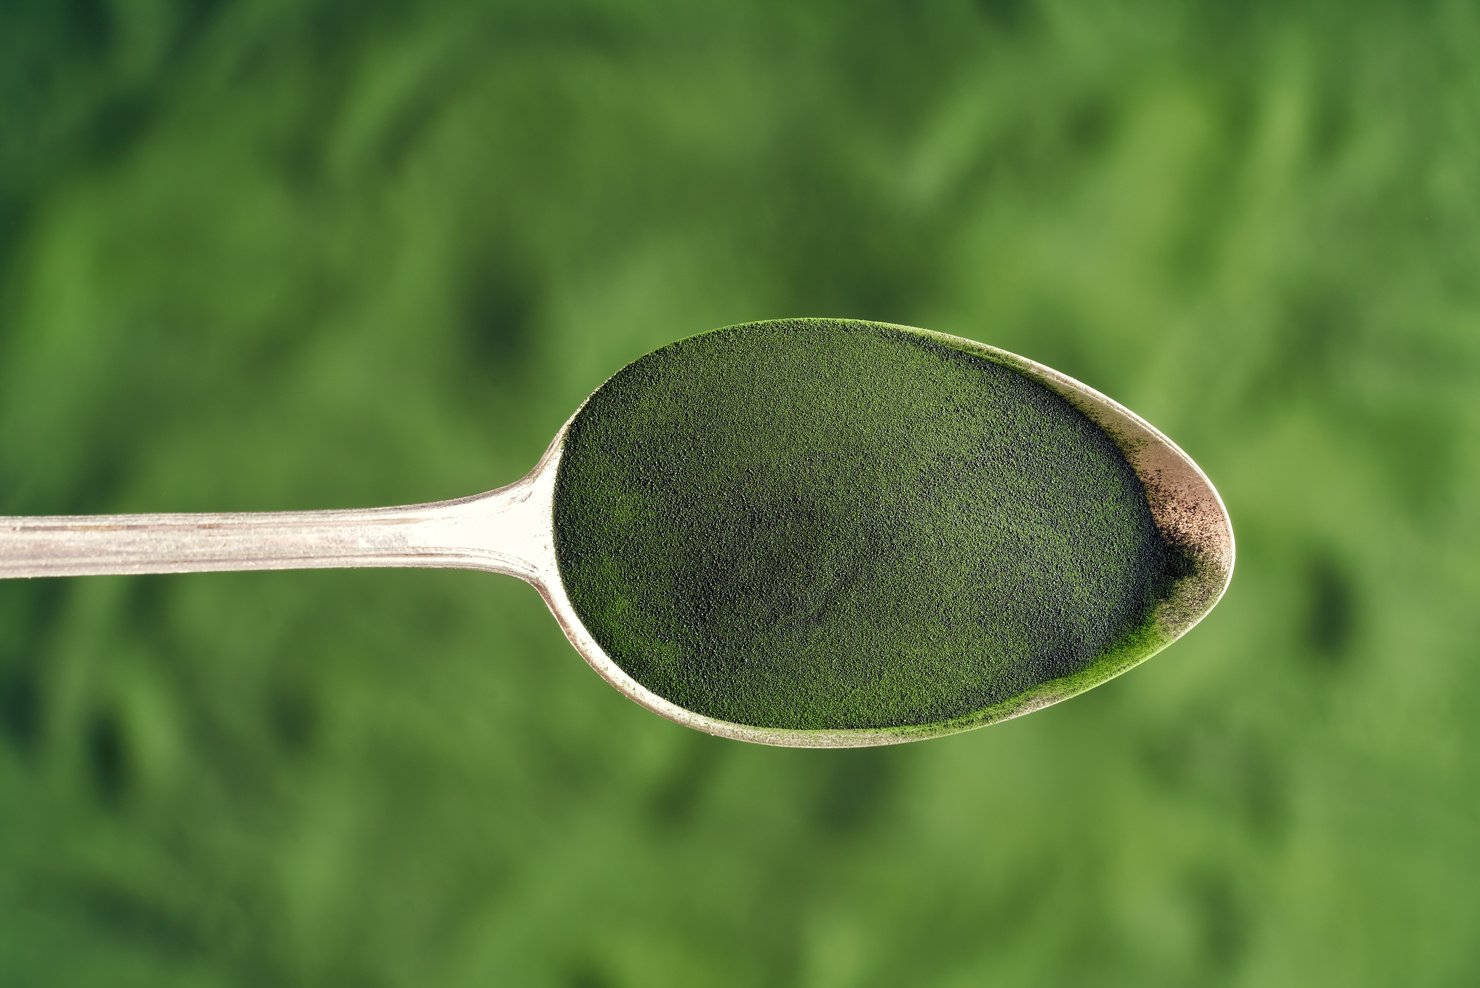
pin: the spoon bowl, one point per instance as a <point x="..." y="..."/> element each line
<point x="512" y="530"/>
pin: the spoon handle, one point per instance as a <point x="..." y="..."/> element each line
<point x="496" y="531"/>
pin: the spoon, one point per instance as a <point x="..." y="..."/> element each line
<point x="511" y="530"/>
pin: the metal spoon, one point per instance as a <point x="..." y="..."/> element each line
<point x="510" y="530"/>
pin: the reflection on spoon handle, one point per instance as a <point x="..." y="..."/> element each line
<point x="483" y="532"/>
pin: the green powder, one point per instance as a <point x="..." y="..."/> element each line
<point x="819" y="524"/>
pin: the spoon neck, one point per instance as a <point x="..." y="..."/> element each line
<point x="499" y="531"/>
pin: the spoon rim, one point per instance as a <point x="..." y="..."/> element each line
<point x="1186" y="508"/>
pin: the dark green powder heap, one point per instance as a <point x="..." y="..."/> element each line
<point x="823" y="524"/>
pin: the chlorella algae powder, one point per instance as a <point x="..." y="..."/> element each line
<point x="830" y="525"/>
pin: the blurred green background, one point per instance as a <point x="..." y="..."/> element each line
<point x="286" y="254"/>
